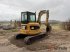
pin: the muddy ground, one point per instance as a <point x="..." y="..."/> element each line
<point x="57" y="41"/>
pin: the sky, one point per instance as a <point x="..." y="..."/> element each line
<point x="11" y="9"/>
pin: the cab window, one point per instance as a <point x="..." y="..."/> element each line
<point x="32" y="18"/>
<point x="24" y="17"/>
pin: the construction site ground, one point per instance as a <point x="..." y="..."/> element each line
<point x="57" y="41"/>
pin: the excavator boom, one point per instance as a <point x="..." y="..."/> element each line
<point x="41" y="13"/>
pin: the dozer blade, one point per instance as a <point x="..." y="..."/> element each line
<point x="30" y="39"/>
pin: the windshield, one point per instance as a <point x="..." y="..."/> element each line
<point x="24" y="17"/>
<point x="32" y="18"/>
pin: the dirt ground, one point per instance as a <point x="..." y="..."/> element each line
<point x="57" y="41"/>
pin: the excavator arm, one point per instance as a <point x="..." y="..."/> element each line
<point x="48" y="27"/>
<point x="41" y="13"/>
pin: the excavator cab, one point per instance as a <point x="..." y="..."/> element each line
<point x="27" y="17"/>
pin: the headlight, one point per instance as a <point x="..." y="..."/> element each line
<point x="32" y="28"/>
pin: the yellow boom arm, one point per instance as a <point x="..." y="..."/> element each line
<point x="41" y="13"/>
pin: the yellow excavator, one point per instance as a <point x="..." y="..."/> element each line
<point x="31" y="27"/>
